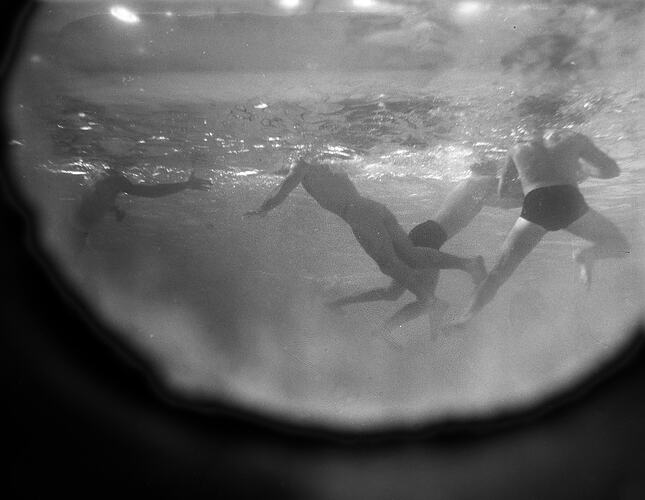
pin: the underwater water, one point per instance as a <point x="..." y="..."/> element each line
<point x="229" y="308"/>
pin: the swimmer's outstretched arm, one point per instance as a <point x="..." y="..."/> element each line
<point x="292" y="180"/>
<point x="159" y="190"/>
<point x="507" y="178"/>
<point x="600" y="165"/>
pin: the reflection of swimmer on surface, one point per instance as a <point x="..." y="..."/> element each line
<point x="548" y="166"/>
<point x="374" y="226"/>
<point x="462" y="204"/>
<point x="100" y="198"/>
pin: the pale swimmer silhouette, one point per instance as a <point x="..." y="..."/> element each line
<point x="548" y="167"/>
<point x="373" y="225"/>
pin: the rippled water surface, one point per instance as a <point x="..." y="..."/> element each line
<point x="227" y="307"/>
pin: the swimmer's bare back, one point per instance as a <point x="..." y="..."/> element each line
<point x="555" y="160"/>
<point x="374" y="226"/>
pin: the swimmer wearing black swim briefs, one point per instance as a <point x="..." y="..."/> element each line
<point x="554" y="207"/>
<point x="549" y="166"/>
<point x="428" y="234"/>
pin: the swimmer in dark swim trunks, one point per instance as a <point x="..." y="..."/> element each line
<point x="373" y="225"/>
<point x="462" y="204"/>
<point x="548" y="166"/>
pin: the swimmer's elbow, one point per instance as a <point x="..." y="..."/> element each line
<point x="610" y="171"/>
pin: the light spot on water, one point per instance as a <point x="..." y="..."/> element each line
<point x="289" y="4"/>
<point x="246" y="173"/>
<point x="125" y="15"/>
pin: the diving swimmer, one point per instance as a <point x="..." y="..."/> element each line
<point x="373" y="225"/>
<point x="548" y="167"/>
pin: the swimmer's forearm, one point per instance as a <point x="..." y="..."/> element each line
<point x="289" y="184"/>
<point x="601" y="165"/>
<point x="271" y="203"/>
<point x="608" y="171"/>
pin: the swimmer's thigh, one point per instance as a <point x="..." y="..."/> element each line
<point x="596" y="228"/>
<point x="520" y="241"/>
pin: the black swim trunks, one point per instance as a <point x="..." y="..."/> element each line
<point x="428" y="234"/>
<point x="554" y="207"/>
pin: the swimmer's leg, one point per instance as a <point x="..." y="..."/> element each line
<point x="374" y="238"/>
<point x="390" y="293"/>
<point x="423" y="257"/>
<point x="608" y="242"/>
<point x="521" y="240"/>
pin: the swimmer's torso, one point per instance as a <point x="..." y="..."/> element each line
<point x="550" y="162"/>
<point x="329" y="184"/>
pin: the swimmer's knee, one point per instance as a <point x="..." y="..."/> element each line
<point x="389" y="266"/>
<point x="386" y="266"/>
<point x="495" y="277"/>
<point x="392" y="293"/>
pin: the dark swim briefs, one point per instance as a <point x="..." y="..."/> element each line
<point x="554" y="207"/>
<point x="428" y="234"/>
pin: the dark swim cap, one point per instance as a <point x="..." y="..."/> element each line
<point x="428" y="234"/>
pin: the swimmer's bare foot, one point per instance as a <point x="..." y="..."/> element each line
<point x="477" y="269"/>
<point x="458" y="324"/>
<point x="585" y="267"/>
<point x="335" y="307"/>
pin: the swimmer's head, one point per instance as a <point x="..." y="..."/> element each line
<point x="538" y="112"/>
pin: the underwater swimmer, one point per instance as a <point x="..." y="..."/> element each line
<point x="460" y="207"/>
<point x="100" y="198"/>
<point x="373" y="225"/>
<point x="549" y="169"/>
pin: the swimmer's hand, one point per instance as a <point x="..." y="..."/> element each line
<point x="118" y="213"/>
<point x="197" y="183"/>
<point x="260" y="212"/>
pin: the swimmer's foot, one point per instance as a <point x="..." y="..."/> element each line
<point x="458" y="324"/>
<point x="585" y="268"/>
<point x="334" y="307"/>
<point x="477" y="269"/>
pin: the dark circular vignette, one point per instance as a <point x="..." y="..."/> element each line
<point x="86" y="419"/>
